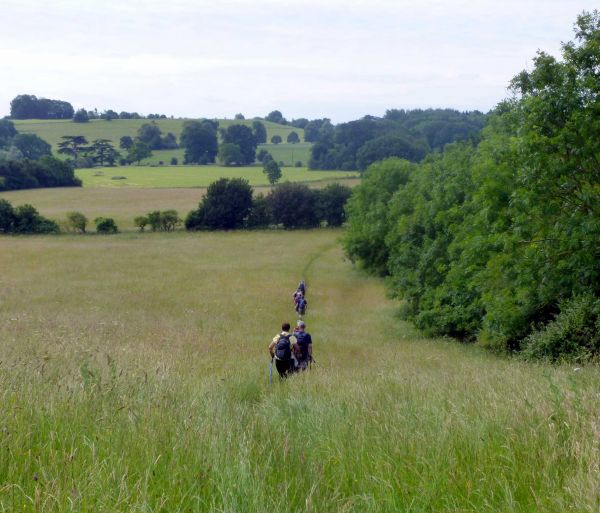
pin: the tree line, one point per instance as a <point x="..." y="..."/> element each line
<point x="499" y="242"/>
<point x="26" y="162"/>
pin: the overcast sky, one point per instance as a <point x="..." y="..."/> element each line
<point x="340" y="59"/>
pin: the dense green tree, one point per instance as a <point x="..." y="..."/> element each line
<point x="109" y="115"/>
<point x="225" y="206"/>
<point x="28" y="174"/>
<point x="106" y="225"/>
<point x="125" y="142"/>
<point x="199" y="138"/>
<point x="293" y="138"/>
<point x="276" y="117"/>
<point x="72" y="145"/>
<point x="263" y="155"/>
<point x="77" y="221"/>
<point x="31" y="146"/>
<point x="230" y="155"/>
<point x="293" y="205"/>
<point x="28" y="220"/>
<point x="260" y="132"/>
<point x="243" y="137"/>
<point x="239" y="116"/>
<point x="169" y="142"/>
<point x="272" y="170"/>
<point x="276" y="139"/>
<point x="141" y="222"/>
<point x="27" y="106"/>
<point x="138" y="152"/>
<point x="331" y="202"/>
<point x="150" y="135"/>
<point x="7" y="132"/>
<point x="395" y="144"/>
<point x="260" y="213"/>
<point x="81" y="116"/>
<point x="103" y="151"/>
<point x="299" y="123"/>
<point x="7" y="216"/>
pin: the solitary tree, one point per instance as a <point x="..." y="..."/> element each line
<point x="293" y="138"/>
<point x="276" y="139"/>
<point x="141" y="222"/>
<point x="260" y="132"/>
<point x="272" y="170"/>
<point x="72" y="145"/>
<point x="103" y="151"/>
<point x="77" y="221"/>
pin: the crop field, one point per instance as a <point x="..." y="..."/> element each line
<point x="134" y="377"/>
<point x="194" y="176"/>
<point x="51" y="130"/>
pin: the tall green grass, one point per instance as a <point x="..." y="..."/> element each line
<point x="134" y="377"/>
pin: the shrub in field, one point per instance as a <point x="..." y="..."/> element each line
<point x="276" y="139"/>
<point x="28" y="220"/>
<point x="225" y="206"/>
<point x="77" y="221"/>
<point x="293" y="205"/>
<point x="573" y="335"/>
<point x="141" y="222"/>
<point x="293" y="138"/>
<point x="174" y="161"/>
<point x="7" y="217"/>
<point x="298" y="163"/>
<point x="105" y="225"/>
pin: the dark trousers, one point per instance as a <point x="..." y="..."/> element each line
<point x="283" y="367"/>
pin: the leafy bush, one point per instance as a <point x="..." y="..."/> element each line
<point x="77" y="221"/>
<point x="293" y="205"/>
<point x="24" y="219"/>
<point x="573" y="335"/>
<point x="105" y="225"/>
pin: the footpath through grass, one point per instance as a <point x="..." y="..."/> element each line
<point x="134" y="377"/>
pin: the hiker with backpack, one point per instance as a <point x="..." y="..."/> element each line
<point x="303" y="347"/>
<point x="280" y="350"/>
<point x="301" y="306"/>
<point x="302" y="287"/>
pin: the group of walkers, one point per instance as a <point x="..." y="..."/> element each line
<point x="292" y="352"/>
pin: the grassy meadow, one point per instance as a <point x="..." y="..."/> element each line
<point x="51" y="130"/>
<point x="195" y="176"/>
<point x="123" y="204"/>
<point x="134" y="378"/>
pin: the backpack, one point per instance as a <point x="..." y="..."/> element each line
<point x="283" y="349"/>
<point x="302" y="342"/>
<point x="302" y="305"/>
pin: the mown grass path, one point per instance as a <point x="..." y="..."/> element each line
<point x="134" y="377"/>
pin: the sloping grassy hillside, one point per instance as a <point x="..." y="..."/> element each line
<point x="134" y="377"/>
<point x="51" y="130"/>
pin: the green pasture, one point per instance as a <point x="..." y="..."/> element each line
<point x="194" y="176"/>
<point x="51" y="130"/>
<point x="287" y="153"/>
<point x="123" y="204"/>
<point x="134" y="378"/>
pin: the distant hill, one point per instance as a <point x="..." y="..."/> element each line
<point x="51" y="130"/>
